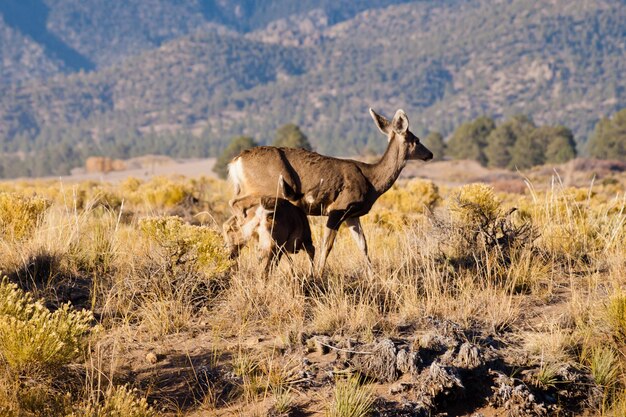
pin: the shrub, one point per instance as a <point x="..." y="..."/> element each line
<point x="33" y="337"/>
<point x="416" y="196"/>
<point x="118" y="402"/>
<point x="478" y="232"/>
<point x="161" y="193"/>
<point x="19" y="214"/>
<point x="350" y="399"/>
<point x="474" y="205"/>
<point x="187" y="247"/>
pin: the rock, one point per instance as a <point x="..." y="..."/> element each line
<point x="321" y="344"/>
<point x="151" y="358"/>
<point x="400" y="387"/>
<point x="380" y="364"/>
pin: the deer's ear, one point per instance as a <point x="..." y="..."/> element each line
<point x="400" y="122"/>
<point x="269" y="204"/>
<point x="381" y="122"/>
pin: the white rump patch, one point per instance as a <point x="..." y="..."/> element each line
<point x="235" y="174"/>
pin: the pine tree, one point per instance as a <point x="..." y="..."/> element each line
<point x="609" y="138"/>
<point x="501" y="140"/>
<point x="527" y="151"/>
<point x="561" y="145"/>
<point x="470" y="139"/>
<point x="290" y="136"/>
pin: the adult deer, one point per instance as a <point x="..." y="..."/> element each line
<point x="342" y="189"/>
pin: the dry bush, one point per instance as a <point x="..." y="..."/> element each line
<point x="19" y="215"/>
<point x="477" y="233"/>
<point x="117" y="402"/>
<point x="32" y="337"/>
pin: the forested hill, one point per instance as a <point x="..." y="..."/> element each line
<point x="127" y="77"/>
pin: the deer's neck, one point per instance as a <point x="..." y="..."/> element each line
<point x="385" y="172"/>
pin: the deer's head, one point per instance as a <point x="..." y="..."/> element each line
<point x="398" y="129"/>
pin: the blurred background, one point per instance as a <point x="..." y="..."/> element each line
<point x="512" y="84"/>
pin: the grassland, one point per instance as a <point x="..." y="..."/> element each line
<point x="484" y="299"/>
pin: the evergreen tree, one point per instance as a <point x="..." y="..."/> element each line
<point x="290" y="136"/>
<point x="434" y="142"/>
<point x="528" y="150"/>
<point x="499" y="145"/>
<point x="609" y="138"/>
<point x="470" y="139"/>
<point x="235" y="147"/>
<point x="501" y="140"/>
<point x="561" y="146"/>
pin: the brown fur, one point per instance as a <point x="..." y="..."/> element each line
<point x="277" y="225"/>
<point x="341" y="189"/>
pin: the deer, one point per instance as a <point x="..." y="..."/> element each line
<point x="279" y="226"/>
<point x="343" y="190"/>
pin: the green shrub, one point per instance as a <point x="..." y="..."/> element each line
<point x="33" y="337"/>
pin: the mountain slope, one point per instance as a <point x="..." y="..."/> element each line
<point x="443" y="62"/>
<point x="93" y="34"/>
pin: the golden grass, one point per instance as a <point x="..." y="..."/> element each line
<point x="154" y="258"/>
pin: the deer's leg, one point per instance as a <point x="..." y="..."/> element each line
<point x="330" y="232"/>
<point x="271" y="260"/>
<point x="310" y="250"/>
<point x="356" y="230"/>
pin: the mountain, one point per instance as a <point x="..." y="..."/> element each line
<point x="184" y="77"/>
<point x="92" y="34"/>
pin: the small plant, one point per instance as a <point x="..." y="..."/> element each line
<point x="478" y="233"/>
<point x="416" y="196"/>
<point x="604" y="366"/>
<point x="350" y="399"/>
<point x="283" y="403"/>
<point x="33" y="337"/>
<point x="547" y="376"/>
<point x="118" y="402"/>
<point x="475" y="205"/>
<point x="616" y="316"/>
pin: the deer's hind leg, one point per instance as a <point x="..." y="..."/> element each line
<point x="335" y="218"/>
<point x="356" y="231"/>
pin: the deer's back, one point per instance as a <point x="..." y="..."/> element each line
<point x="318" y="181"/>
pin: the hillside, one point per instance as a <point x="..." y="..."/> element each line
<point x="94" y="34"/>
<point x="252" y="66"/>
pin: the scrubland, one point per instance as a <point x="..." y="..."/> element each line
<point x="120" y="300"/>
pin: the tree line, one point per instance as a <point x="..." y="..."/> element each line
<point x="516" y="143"/>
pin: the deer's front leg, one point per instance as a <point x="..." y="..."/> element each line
<point x="356" y="230"/>
<point x="330" y="232"/>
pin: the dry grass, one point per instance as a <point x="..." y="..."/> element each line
<point x="149" y="259"/>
